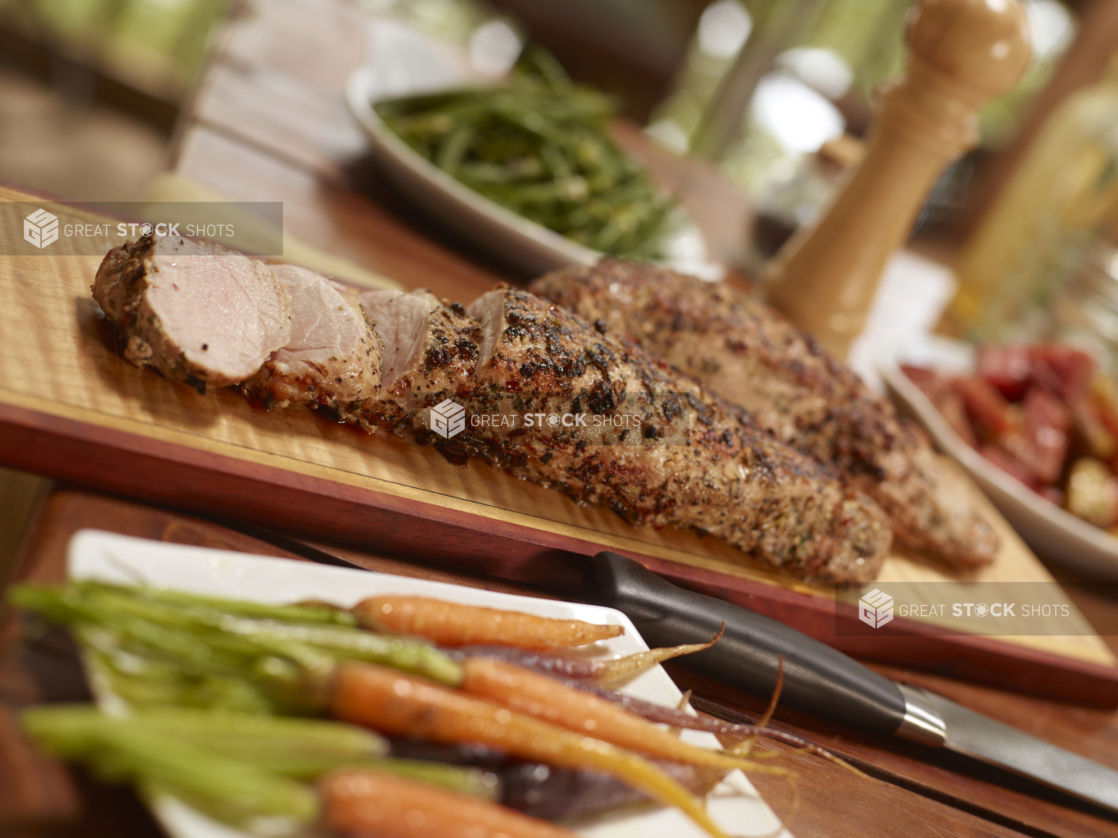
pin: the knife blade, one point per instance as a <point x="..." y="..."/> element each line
<point x="826" y="683"/>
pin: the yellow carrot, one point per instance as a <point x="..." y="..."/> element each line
<point x="621" y="669"/>
<point x="361" y="802"/>
<point x="542" y="697"/>
<point x="454" y="624"/>
<point x="393" y="702"/>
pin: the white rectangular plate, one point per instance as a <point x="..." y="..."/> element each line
<point x="106" y="557"/>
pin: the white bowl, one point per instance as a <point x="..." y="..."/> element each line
<point x="1055" y="535"/>
<point x="404" y="64"/>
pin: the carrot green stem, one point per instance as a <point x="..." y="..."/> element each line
<point x="209" y="639"/>
<point x="302" y="613"/>
<point x="121" y="749"/>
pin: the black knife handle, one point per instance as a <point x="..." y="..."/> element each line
<point x="817" y="679"/>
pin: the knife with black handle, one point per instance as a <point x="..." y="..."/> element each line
<point x="826" y="683"/>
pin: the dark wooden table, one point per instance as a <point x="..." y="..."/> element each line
<point x="268" y="123"/>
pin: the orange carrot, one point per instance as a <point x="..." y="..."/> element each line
<point x="542" y="697"/>
<point x="453" y="624"/>
<point x="394" y="702"/>
<point x="361" y="802"/>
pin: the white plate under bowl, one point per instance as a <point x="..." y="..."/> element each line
<point x="404" y="64"/>
<point x="1055" y="535"/>
<point x="107" y="557"/>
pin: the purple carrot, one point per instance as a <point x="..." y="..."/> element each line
<point x="550" y="793"/>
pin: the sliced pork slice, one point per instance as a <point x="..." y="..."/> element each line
<point x="795" y="390"/>
<point x="333" y="356"/>
<point x="613" y="426"/>
<point x="430" y="352"/>
<point x="195" y="311"/>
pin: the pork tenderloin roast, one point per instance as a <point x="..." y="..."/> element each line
<point x="533" y="389"/>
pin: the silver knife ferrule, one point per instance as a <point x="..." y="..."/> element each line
<point x="921" y="722"/>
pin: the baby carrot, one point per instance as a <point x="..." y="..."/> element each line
<point x="543" y="697"/>
<point x="453" y="624"/>
<point x="360" y="802"/>
<point x="394" y="702"/>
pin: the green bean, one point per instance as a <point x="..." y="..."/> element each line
<point x="453" y="147"/>
<point x="539" y="146"/>
<point x="570" y="190"/>
<point x="485" y="174"/>
<point x="547" y="67"/>
<point x="557" y="163"/>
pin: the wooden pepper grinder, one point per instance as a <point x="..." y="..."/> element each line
<point x="962" y="53"/>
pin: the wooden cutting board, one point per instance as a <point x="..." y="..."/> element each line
<point x="71" y="407"/>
